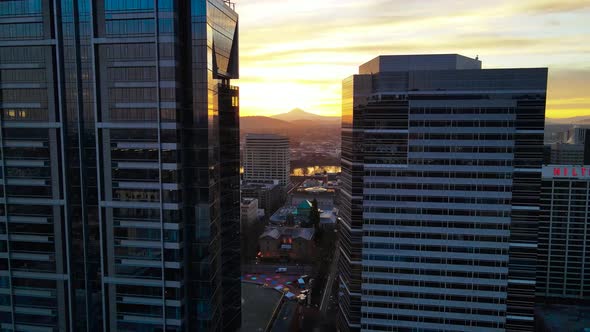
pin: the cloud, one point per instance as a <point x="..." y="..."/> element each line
<point x="298" y="51"/>
<point x="463" y="42"/>
<point x="551" y="7"/>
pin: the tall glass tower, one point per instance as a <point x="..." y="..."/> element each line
<point x="119" y="145"/>
<point x="441" y="169"/>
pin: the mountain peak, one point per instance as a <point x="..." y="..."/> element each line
<point x="297" y="114"/>
<point x="297" y="111"/>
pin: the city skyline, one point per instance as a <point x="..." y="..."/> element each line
<point x="298" y="52"/>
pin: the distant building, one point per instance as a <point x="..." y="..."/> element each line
<point x="578" y="134"/>
<point x="270" y="195"/>
<point x="294" y="243"/>
<point x="563" y="264"/>
<point x="567" y="154"/>
<point x="441" y="176"/>
<point x="267" y="157"/>
<point x="310" y="189"/>
<point x="300" y="215"/>
<point x="572" y="149"/>
<point x="248" y="211"/>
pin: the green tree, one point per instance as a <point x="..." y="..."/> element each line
<point x="290" y="220"/>
<point x="314" y="215"/>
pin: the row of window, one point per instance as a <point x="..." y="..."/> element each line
<point x="430" y="260"/>
<point x="434" y="248"/>
<point x="436" y="199"/>
<point x="422" y="307"/>
<point x="451" y="186"/>
<point x="444" y="226"/>
<point x="440" y="212"/>
<point x="432" y="272"/>
<point x="450" y="174"/>
<point x="479" y="298"/>
<point x="21" y="31"/>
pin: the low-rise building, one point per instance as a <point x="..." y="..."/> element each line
<point x="294" y="243"/>
<point x="300" y="215"/>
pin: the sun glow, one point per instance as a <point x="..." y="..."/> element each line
<point x="295" y="53"/>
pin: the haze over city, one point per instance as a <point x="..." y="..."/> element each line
<point x="295" y="53"/>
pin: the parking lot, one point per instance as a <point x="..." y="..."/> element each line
<point x="286" y="280"/>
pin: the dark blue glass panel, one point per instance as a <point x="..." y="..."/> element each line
<point x="128" y="5"/>
<point x="17" y="8"/>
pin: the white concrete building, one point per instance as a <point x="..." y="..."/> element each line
<point x="267" y="157"/>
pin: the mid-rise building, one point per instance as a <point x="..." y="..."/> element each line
<point x="120" y="166"/>
<point x="269" y="195"/>
<point x="249" y="210"/>
<point x="267" y="157"/>
<point x="441" y="177"/>
<point x="563" y="269"/>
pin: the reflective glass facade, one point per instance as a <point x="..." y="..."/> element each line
<point x="120" y="166"/>
<point x="441" y="172"/>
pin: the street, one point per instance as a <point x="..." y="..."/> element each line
<point x="330" y="281"/>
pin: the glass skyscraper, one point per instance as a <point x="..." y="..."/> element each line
<point x="119" y="166"/>
<point x="441" y="177"/>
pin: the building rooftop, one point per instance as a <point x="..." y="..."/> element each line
<point x="258" y="185"/>
<point x="396" y="63"/>
<point x="316" y="186"/>
<point x="292" y="232"/>
<point x="248" y="200"/>
<point x="258" y="305"/>
<point x="304" y="205"/>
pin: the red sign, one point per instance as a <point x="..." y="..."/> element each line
<point x="571" y="171"/>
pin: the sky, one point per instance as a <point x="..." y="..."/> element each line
<point x="295" y="53"/>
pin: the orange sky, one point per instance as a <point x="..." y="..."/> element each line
<point x="295" y="53"/>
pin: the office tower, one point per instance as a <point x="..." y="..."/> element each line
<point x="441" y="176"/>
<point x="119" y="140"/>
<point x="564" y="235"/>
<point x="267" y="157"/>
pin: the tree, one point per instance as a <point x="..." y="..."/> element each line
<point x="290" y="220"/>
<point x="314" y="215"/>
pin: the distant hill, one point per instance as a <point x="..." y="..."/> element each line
<point x="299" y="114"/>
<point x="316" y="128"/>
<point x="263" y="124"/>
<point x="584" y="119"/>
